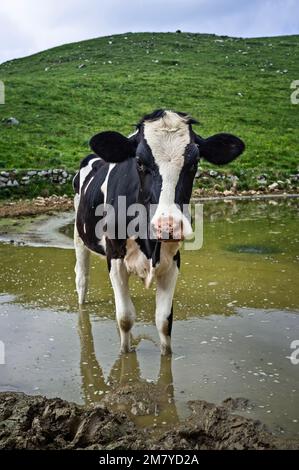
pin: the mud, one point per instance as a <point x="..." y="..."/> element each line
<point x="28" y="422"/>
<point x="39" y="205"/>
<point x="48" y="205"/>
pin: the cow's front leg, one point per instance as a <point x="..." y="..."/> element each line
<point x="125" y="311"/>
<point x="164" y="312"/>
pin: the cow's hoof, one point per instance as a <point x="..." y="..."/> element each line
<point x="165" y="350"/>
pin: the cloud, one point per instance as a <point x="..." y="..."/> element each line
<point x="29" y="26"/>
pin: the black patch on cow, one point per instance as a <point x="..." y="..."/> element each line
<point x="87" y="159"/>
<point x="177" y="258"/>
<point x="170" y="321"/>
<point x="115" y="249"/>
<point x="123" y="181"/>
<point x="89" y="200"/>
<point x="112" y="146"/>
<point x="159" y="113"/>
<point x="154" y="116"/>
<point x="220" y="149"/>
<point x="156" y="254"/>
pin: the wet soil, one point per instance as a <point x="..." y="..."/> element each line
<point x="39" y="205"/>
<point x="28" y="422"/>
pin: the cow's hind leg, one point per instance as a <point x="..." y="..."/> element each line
<point x="164" y="312"/>
<point x="82" y="267"/>
<point x="125" y="311"/>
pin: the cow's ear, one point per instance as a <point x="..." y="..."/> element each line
<point x="112" y="146"/>
<point x="220" y="148"/>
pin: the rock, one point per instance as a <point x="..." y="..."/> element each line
<point x="213" y="173"/>
<point x="273" y="186"/>
<point x="64" y="174"/>
<point x="42" y="173"/>
<point x="25" y="178"/>
<point x="262" y="179"/>
<point x="4" y="179"/>
<point x="5" y="174"/>
<point x="31" y="173"/>
<point x="228" y="192"/>
<point x="81" y="66"/>
<point x="11" y="121"/>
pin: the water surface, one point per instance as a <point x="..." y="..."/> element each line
<point x="236" y="313"/>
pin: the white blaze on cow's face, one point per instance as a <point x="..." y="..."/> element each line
<point x="167" y="138"/>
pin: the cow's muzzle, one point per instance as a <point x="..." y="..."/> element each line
<point x="168" y="229"/>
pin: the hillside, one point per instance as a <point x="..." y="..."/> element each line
<point x="64" y="95"/>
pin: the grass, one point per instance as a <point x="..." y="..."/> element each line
<point x="232" y="85"/>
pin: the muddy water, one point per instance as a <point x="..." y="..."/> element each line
<point x="236" y="314"/>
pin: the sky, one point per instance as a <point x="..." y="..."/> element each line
<point x="29" y="26"/>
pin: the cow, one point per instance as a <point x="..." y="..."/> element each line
<point x="156" y="165"/>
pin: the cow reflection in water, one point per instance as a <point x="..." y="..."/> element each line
<point x="148" y="403"/>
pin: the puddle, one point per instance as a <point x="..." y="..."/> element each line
<point x="236" y="313"/>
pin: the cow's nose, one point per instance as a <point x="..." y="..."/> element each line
<point x="167" y="228"/>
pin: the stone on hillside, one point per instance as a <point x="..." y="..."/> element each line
<point x="227" y="192"/>
<point x="13" y="183"/>
<point x="262" y="181"/>
<point x="12" y="121"/>
<point x="273" y="186"/>
<point x="42" y="173"/>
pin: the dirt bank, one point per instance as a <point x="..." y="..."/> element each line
<point x="39" y="205"/>
<point x="28" y="422"/>
<point x="46" y="205"/>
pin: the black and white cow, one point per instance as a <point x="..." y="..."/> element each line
<point x="155" y="165"/>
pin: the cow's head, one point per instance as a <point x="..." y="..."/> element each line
<point x="167" y="152"/>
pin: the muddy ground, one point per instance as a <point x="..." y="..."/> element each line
<point x="35" y="422"/>
<point x="46" y="205"/>
<point x="39" y="205"/>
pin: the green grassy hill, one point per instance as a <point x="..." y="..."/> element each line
<point x="64" y="95"/>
